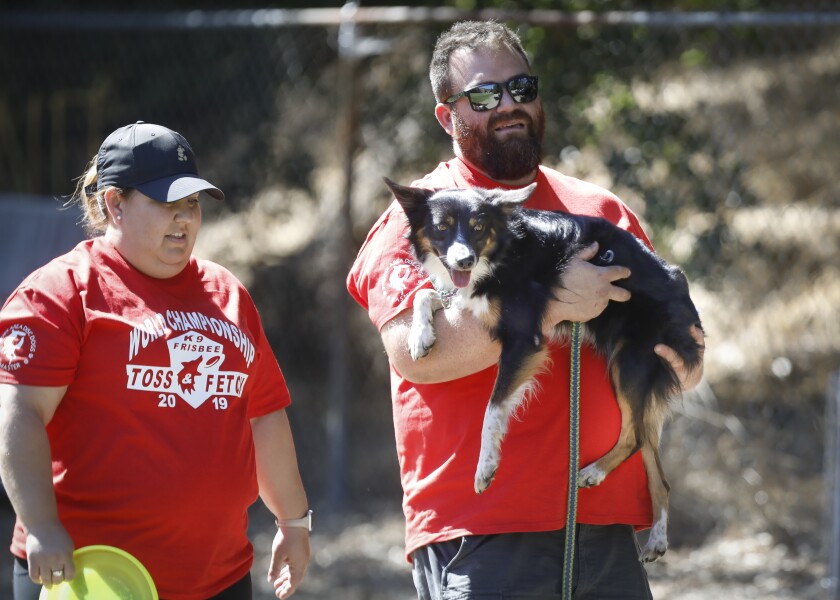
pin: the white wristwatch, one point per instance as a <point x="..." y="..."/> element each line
<point x="304" y="521"/>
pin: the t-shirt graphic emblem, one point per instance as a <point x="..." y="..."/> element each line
<point x="17" y="347"/>
<point x="398" y="276"/>
<point x="188" y="374"/>
<point x="193" y="374"/>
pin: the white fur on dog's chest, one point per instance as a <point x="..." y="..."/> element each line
<point x="479" y="306"/>
<point x="462" y="298"/>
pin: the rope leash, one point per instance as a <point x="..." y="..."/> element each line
<point x="574" y="422"/>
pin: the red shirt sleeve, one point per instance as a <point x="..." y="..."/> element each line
<point x="270" y="392"/>
<point x="42" y="327"/>
<point x="386" y="275"/>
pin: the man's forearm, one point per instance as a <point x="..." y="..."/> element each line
<point x="463" y="346"/>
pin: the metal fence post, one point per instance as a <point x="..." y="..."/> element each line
<point x="352" y="48"/>
<point x="337" y="400"/>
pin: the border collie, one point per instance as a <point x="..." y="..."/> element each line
<point x="501" y="261"/>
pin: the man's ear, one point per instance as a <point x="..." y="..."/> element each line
<point x="444" y="116"/>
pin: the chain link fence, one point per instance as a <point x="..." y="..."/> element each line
<point x="721" y="130"/>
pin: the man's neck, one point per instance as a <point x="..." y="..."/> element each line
<point x="521" y="182"/>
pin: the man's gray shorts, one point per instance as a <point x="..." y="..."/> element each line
<point x="517" y="566"/>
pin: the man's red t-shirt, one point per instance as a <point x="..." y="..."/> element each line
<point x="151" y="445"/>
<point x="438" y="426"/>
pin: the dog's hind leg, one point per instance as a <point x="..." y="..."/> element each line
<point x="628" y="437"/>
<point x="515" y="380"/>
<point x="657" y="542"/>
<point x="421" y="337"/>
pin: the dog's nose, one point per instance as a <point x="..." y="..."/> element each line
<point x="466" y="263"/>
<point x="461" y="256"/>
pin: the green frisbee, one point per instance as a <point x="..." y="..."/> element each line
<point x="104" y="573"/>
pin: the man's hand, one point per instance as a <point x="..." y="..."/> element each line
<point x="689" y="378"/>
<point x="289" y="560"/>
<point x="586" y="291"/>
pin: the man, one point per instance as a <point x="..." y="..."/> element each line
<point x="510" y="538"/>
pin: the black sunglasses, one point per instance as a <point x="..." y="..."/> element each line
<point x="486" y="96"/>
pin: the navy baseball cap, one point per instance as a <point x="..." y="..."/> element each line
<point x="153" y="159"/>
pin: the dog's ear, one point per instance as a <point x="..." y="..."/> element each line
<point x="510" y="199"/>
<point x="413" y="200"/>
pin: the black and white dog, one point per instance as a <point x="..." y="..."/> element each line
<point x="502" y="261"/>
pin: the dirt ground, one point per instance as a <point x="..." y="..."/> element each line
<point x="363" y="560"/>
<point x="357" y="558"/>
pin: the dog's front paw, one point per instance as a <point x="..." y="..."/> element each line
<point x="420" y="340"/>
<point x="483" y="479"/>
<point x="590" y="476"/>
<point x="488" y="463"/>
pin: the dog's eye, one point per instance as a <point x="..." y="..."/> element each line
<point x="478" y="227"/>
<point x="442" y="226"/>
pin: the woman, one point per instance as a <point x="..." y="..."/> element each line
<point x="140" y="403"/>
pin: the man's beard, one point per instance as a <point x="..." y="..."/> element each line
<point x="507" y="159"/>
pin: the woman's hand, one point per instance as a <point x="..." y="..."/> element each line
<point x="49" y="551"/>
<point x="289" y="560"/>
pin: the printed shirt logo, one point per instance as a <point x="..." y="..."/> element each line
<point x="397" y="281"/>
<point x="17" y="347"/>
<point x="193" y="372"/>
